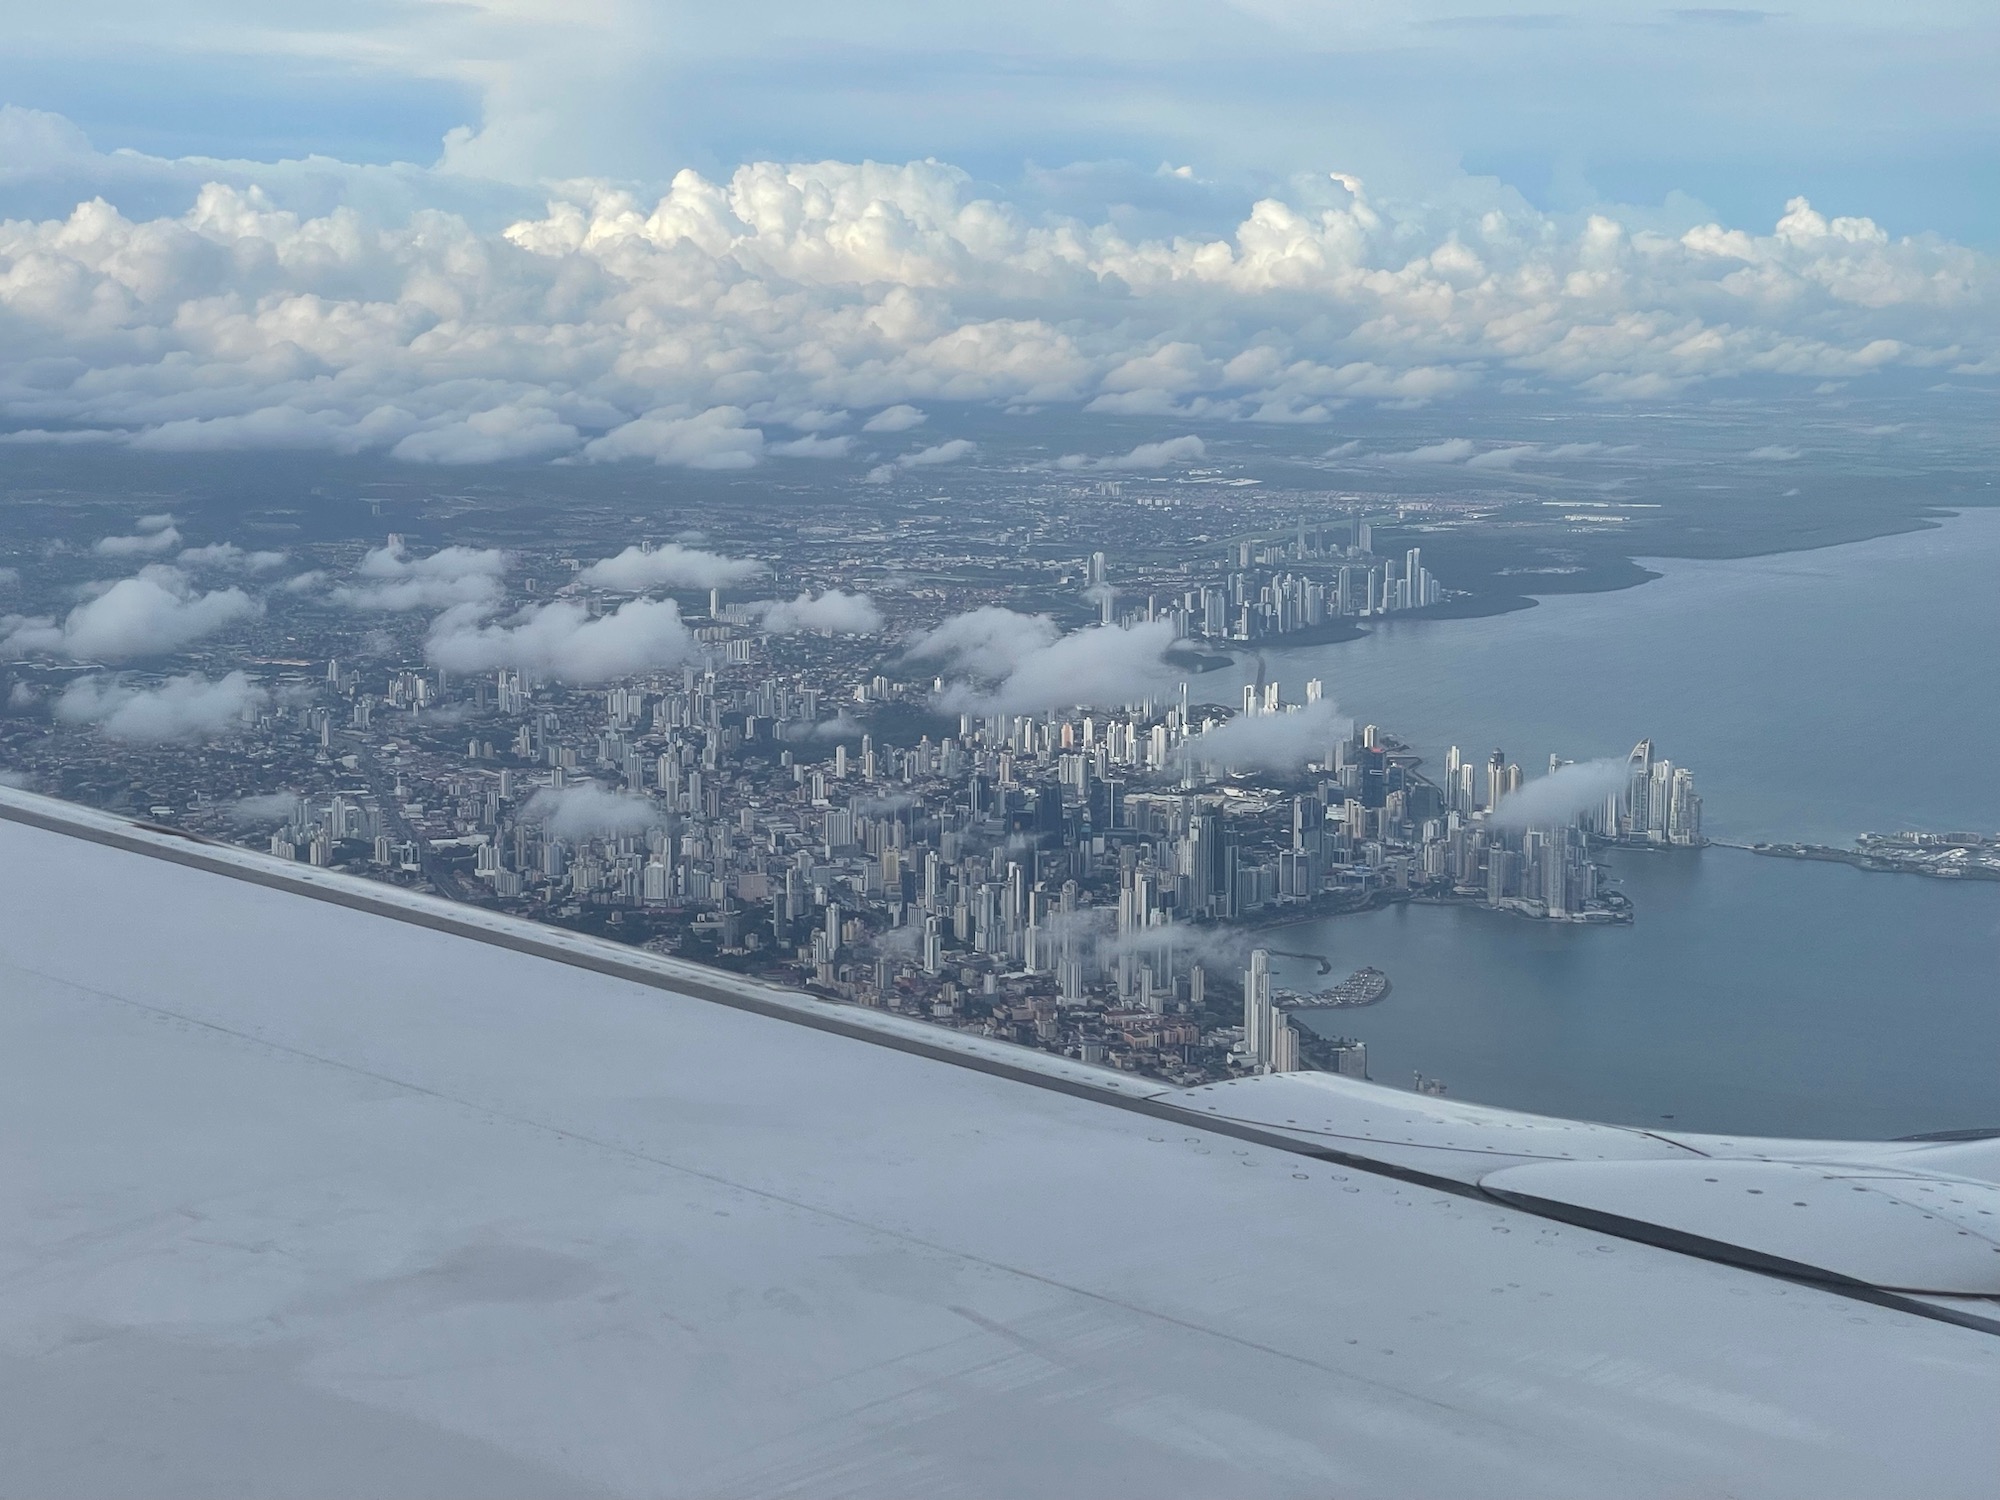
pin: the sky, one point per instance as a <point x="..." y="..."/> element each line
<point x="609" y="231"/>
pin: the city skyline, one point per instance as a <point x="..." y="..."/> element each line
<point x="893" y="810"/>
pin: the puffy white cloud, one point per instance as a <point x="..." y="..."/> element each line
<point x="180" y="708"/>
<point x="669" y="567"/>
<point x="228" y="555"/>
<point x="895" y="419"/>
<point x="949" y="452"/>
<point x="817" y="421"/>
<point x="260" y="427"/>
<point x="585" y="810"/>
<point x="984" y="642"/>
<point x="392" y="561"/>
<point x="1269" y="742"/>
<point x="812" y="446"/>
<point x="393" y="581"/>
<point x="563" y="641"/>
<point x="842" y="726"/>
<point x="714" y="439"/>
<point x="1509" y="455"/>
<point x="1503" y="458"/>
<point x="145" y="543"/>
<point x="1160" y="455"/>
<point x="156" y="613"/>
<point x="72" y="437"/>
<point x="264" y="808"/>
<point x="1104" y="666"/>
<point x="609" y="328"/>
<point x="496" y="435"/>
<point x="938" y="453"/>
<point x="1562" y="794"/>
<point x="1449" y="451"/>
<point x="833" y="613"/>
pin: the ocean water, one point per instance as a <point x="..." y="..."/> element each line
<point x="1815" y="695"/>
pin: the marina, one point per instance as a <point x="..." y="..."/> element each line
<point x="1365" y="986"/>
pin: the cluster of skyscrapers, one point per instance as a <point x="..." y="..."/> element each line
<point x="1075" y="879"/>
<point x="1284" y="588"/>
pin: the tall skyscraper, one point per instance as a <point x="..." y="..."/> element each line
<point x="1284" y="1047"/>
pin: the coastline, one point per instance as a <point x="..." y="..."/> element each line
<point x="1476" y="604"/>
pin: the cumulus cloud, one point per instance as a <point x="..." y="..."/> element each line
<point x="393" y="561"/>
<point x="392" y="580"/>
<point x="923" y="458"/>
<point x="812" y="446"/>
<point x="1180" y="450"/>
<point x="938" y="453"/>
<point x="714" y="439"/>
<point x="586" y="810"/>
<point x="180" y="708"/>
<point x="265" y="426"/>
<point x="670" y="567"/>
<point x="1449" y="451"/>
<point x="264" y="808"/>
<point x="1269" y="742"/>
<point x="984" y="642"/>
<point x="1502" y="458"/>
<point x="227" y="555"/>
<point x="153" y="614"/>
<point x="162" y="539"/>
<point x="497" y="435"/>
<point x="1559" y="796"/>
<point x="895" y="419"/>
<point x="1510" y="454"/>
<point x="1105" y="666"/>
<point x="68" y="437"/>
<point x="1219" y="947"/>
<point x="610" y="328"/>
<point x="817" y="421"/>
<point x="842" y="726"/>
<point x="832" y="613"/>
<point x="563" y="641"/>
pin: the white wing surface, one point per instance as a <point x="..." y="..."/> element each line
<point x="316" y="1188"/>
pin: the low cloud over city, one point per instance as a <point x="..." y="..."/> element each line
<point x="189" y="707"/>
<point x="563" y="641"/>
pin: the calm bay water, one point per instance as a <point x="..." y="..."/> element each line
<point x="1815" y="695"/>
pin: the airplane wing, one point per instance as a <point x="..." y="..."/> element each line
<point x="317" y="1187"/>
